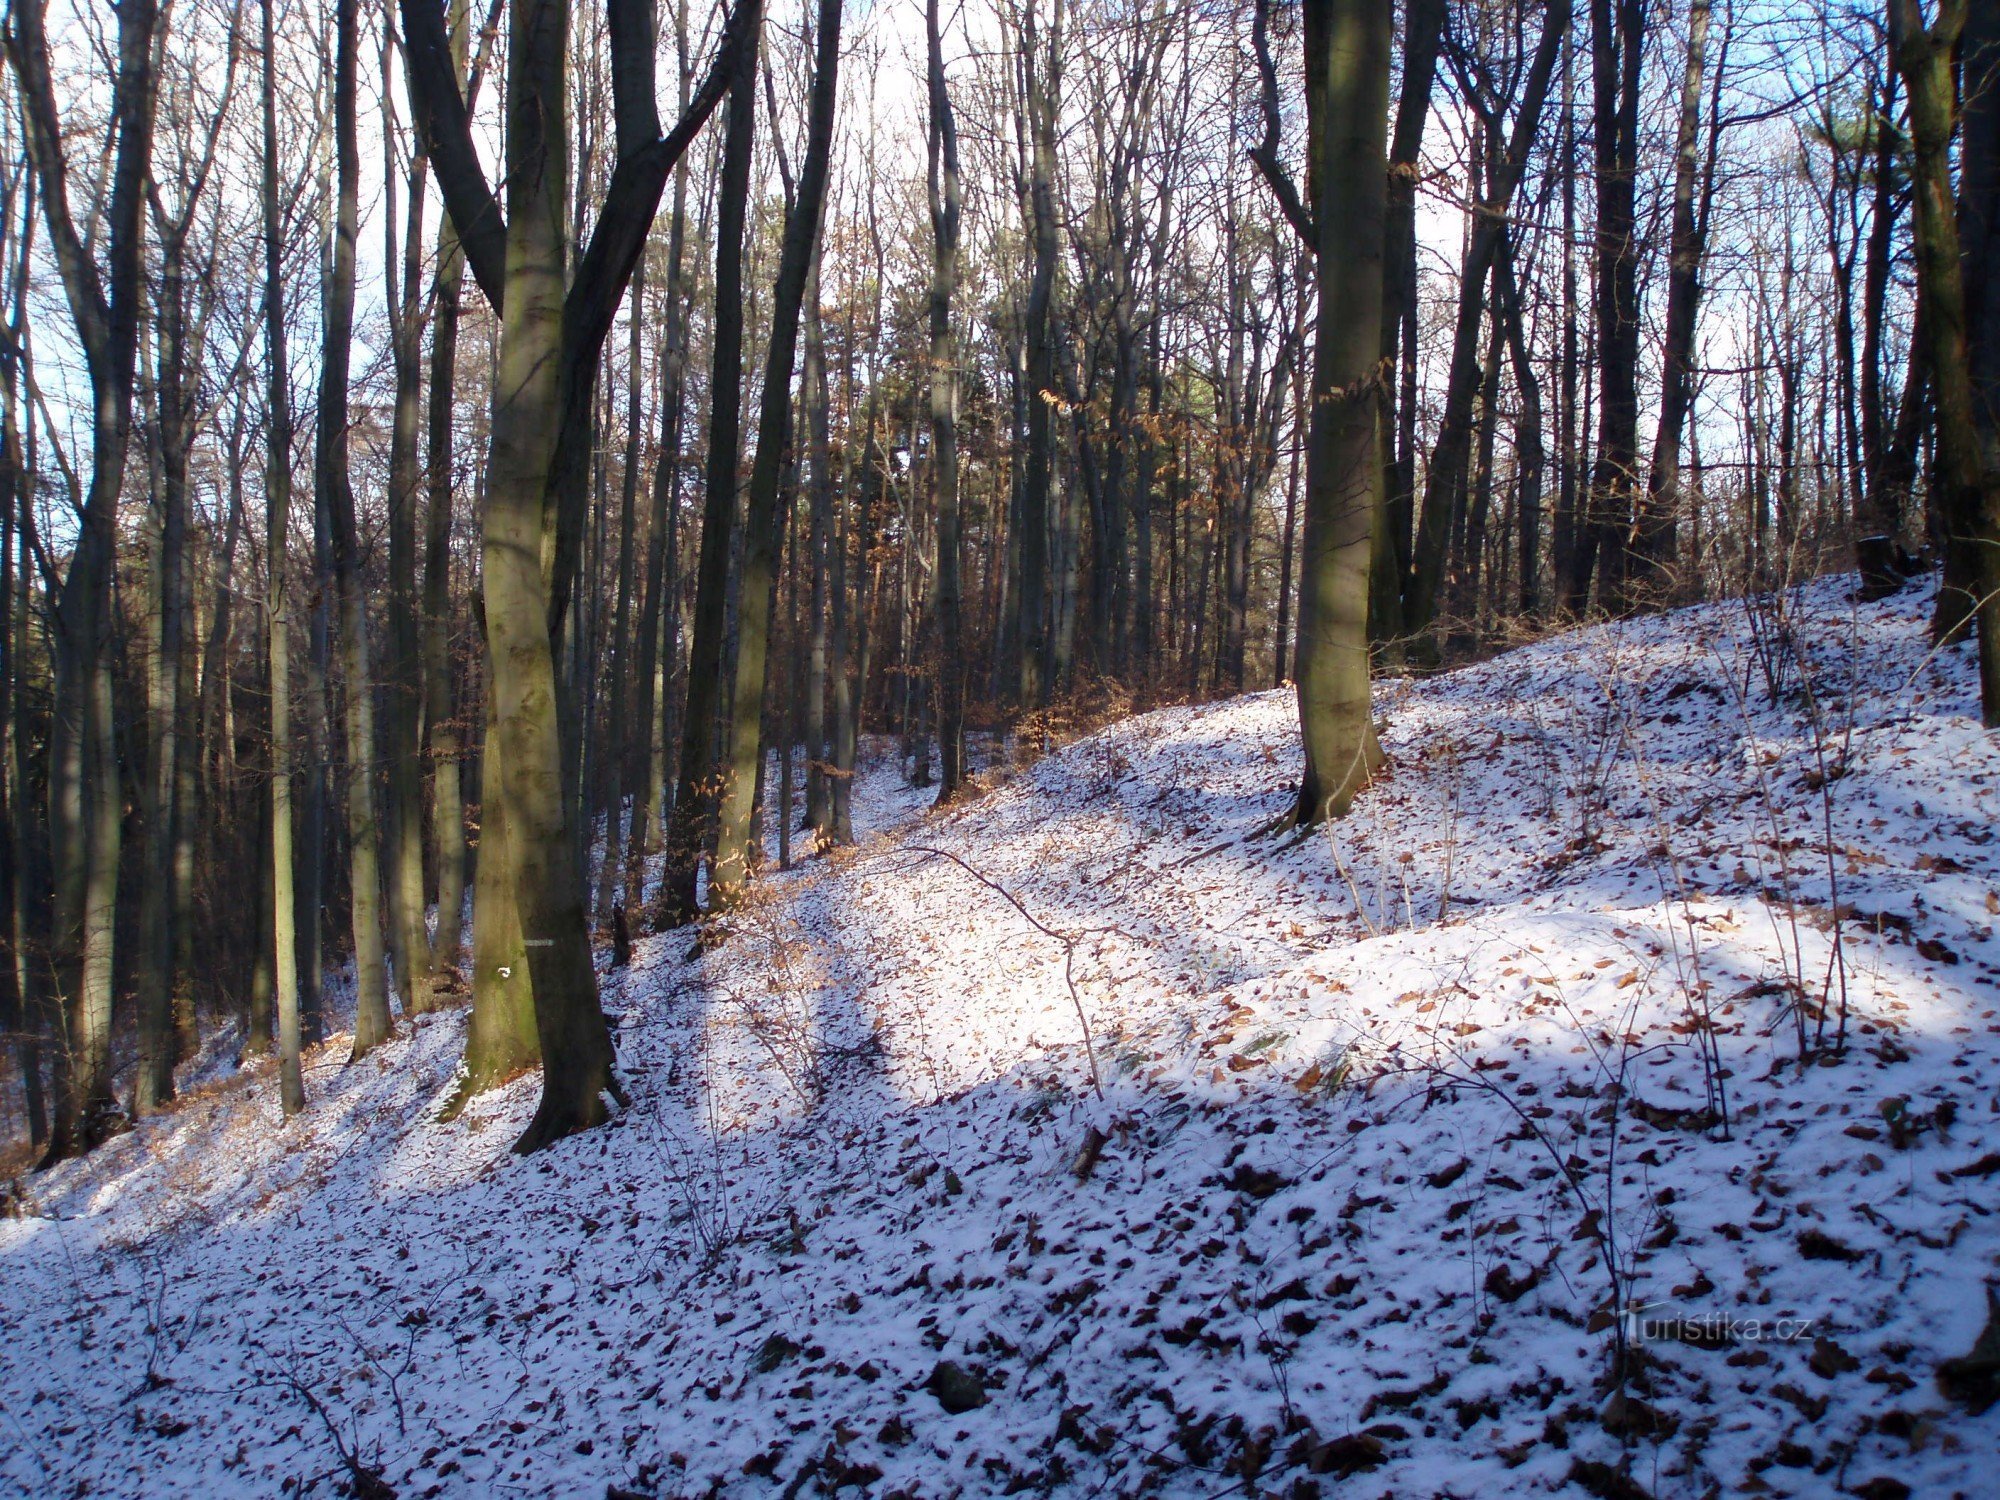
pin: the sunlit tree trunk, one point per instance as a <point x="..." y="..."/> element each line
<point x="1347" y="73"/>
<point x="277" y="596"/>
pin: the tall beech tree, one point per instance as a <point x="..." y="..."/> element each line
<point x="738" y="837"/>
<point x="1347" y="47"/>
<point x="552" y="333"/>
<point x="1969" y="592"/>
<point x="277" y="588"/>
<point x="690" y="824"/>
<point x="101" y="270"/>
<point x="334" y="488"/>
<point x="946" y="200"/>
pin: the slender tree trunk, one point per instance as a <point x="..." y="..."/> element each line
<point x="660" y="608"/>
<point x="1423" y="28"/>
<point x="1041" y="69"/>
<point x="1479" y="502"/>
<point x="1570" y="546"/>
<point x="840" y="778"/>
<point x="316" y="821"/>
<point x="1618" y="45"/>
<point x="695" y="797"/>
<point x="1447" y="482"/>
<point x="1530" y="454"/>
<point x="1657" y="540"/>
<point x="334" y="486"/>
<point x="441" y="712"/>
<point x="737" y="840"/>
<point x="822" y="539"/>
<point x="23" y="863"/>
<point x="1282" y="655"/>
<point x="402" y="699"/>
<point x="1878" y="520"/>
<point x="948" y="670"/>
<point x="618" y="760"/>
<point x="277" y="599"/>
<point x="153" y="1086"/>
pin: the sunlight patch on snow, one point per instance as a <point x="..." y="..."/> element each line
<point x="1389" y="1116"/>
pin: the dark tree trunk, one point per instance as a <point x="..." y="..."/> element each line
<point x="690" y="822"/>
<point x="762" y="530"/>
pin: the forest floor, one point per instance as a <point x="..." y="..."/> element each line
<point x="1378" y="1148"/>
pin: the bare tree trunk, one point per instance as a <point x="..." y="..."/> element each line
<point x="659" y="616"/>
<point x="1569" y="547"/>
<point x="535" y="857"/>
<point x="553" y="328"/>
<point x="948" y="671"/>
<point x="441" y="711"/>
<point x="153" y="1086"/>
<point x="334" y="487"/>
<point x="277" y="599"/>
<point x="1970" y="504"/>
<point x="1446" y="486"/>
<point x="737" y="838"/>
<point x="23" y="862"/>
<point x="1878" y="520"/>
<point x="689" y="823"/>
<point x="657" y="622"/>
<point x="84" y="801"/>
<point x="1041" y="70"/>
<point x="1423" y="28"/>
<point x="822" y="538"/>
<point x="1617" y="51"/>
<point x="1347" y="73"/>
<point x="402" y="699"/>
<point x="1658" y="538"/>
<point x="1531" y="456"/>
<point x="618" y="758"/>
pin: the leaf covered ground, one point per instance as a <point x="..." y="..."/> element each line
<point x="1087" y="1139"/>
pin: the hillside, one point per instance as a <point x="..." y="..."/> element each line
<point x="1371" y="1142"/>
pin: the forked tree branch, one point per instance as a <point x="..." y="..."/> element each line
<point x="1264" y="155"/>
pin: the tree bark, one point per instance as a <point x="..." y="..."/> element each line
<point x="1041" y="72"/>
<point x="1970" y="504"/>
<point x="696" y="795"/>
<point x="1347" y="72"/>
<point x="403" y="695"/>
<point x="84" y="796"/>
<point x="1445" y="490"/>
<point x="333" y="485"/>
<point x="278" y="520"/>
<point x="1617" y="50"/>
<point x="948" y="671"/>
<point x="738" y="842"/>
<point x="1657" y="542"/>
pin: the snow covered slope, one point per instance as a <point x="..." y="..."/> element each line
<point x="1085" y="1140"/>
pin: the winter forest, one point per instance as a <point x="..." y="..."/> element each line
<point x="1132" y="747"/>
